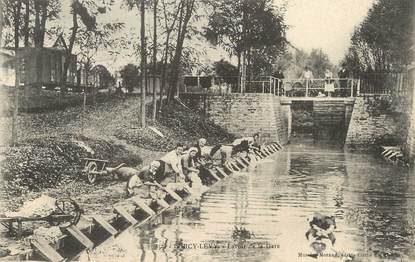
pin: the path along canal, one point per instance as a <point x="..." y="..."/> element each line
<point x="373" y="203"/>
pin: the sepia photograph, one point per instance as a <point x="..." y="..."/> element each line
<point x="207" y="130"/>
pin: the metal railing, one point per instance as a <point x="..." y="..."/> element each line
<point x="333" y="87"/>
<point x="367" y="84"/>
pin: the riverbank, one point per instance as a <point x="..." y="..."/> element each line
<point x="48" y="158"/>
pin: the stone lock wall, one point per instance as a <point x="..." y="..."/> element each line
<point x="244" y="114"/>
<point x="409" y="147"/>
<point x="371" y="126"/>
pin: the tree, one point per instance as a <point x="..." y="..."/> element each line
<point x="186" y="11"/>
<point x="225" y="69"/>
<point x="255" y="28"/>
<point x="154" y="59"/>
<point x="381" y="42"/>
<point x="168" y="31"/>
<point x="130" y="76"/>
<point x="143" y="64"/>
<point x="33" y="16"/>
<point x="90" y="41"/>
<point x="319" y="61"/>
<point x="293" y="62"/>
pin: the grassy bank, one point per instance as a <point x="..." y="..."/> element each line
<point x="48" y="156"/>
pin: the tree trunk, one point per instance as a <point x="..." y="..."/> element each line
<point x="36" y="33"/>
<point x="1" y="21"/>
<point x="154" y="60"/>
<point x="143" y="65"/>
<point x="239" y="70"/>
<point x="69" y="52"/>
<point x="166" y="54"/>
<point x="17" y="73"/>
<point x="43" y="24"/>
<point x="26" y="23"/>
<point x="179" y="48"/>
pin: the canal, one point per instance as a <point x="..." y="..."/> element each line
<point x="262" y="215"/>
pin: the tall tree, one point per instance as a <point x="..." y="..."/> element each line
<point x="186" y="11"/>
<point x="155" y="2"/>
<point x="251" y="27"/>
<point x="90" y="41"/>
<point x="143" y="63"/>
<point x="18" y="7"/>
<point x="169" y="29"/>
<point x="381" y="42"/>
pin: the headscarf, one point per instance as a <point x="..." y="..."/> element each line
<point x="192" y="149"/>
<point x="155" y="164"/>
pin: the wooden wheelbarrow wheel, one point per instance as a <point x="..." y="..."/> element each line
<point x="91" y="169"/>
<point x="67" y="206"/>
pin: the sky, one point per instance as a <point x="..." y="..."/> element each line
<point x="325" y="24"/>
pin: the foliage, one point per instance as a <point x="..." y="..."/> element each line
<point x="319" y="61"/>
<point x="32" y="17"/>
<point x="381" y="42"/>
<point x="106" y="79"/>
<point x="293" y="63"/>
<point x="177" y="124"/>
<point x="44" y="162"/>
<point x="225" y="69"/>
<point x="130" y="76"/>
<point x="242" y="26"/>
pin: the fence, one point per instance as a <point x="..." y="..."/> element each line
<point x="210" y="84"/>
<point x="367" y="84"/>
<point x="334" y="87"/>
<point x="384" y="83"/>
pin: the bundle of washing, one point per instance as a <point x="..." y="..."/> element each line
<point x="39" y="207"/>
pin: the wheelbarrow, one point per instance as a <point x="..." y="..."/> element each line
<point x="97" y="167"/>
<point x="66" y="214"/>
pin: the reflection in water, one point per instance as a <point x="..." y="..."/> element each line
<point x="371" y="201"/>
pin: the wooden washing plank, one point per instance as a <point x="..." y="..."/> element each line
<point x="235" y="166"/>
<point x="239" y="161"/>
<point x="220" y="170"/>
<point x="265" y="152"/>
<point x="78" y="235"/>
<point x="122" y="212"/>
<point x="46" y="250"/>
<point x="173" y="194"/>
<point x="229" y="167"/>
<point x="188" y="189"/>
<point x="214" y="175"/>
<point x="245" y="160"/>
<point x="141" y="204"/>
<point x="162" y="203"/>
<point x="104" y="224"/>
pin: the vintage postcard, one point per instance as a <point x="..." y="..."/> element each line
<point x="207" y="130"/>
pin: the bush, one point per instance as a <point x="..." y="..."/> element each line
<point x="43" y="162"/>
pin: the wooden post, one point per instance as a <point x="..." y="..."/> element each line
<point x="278" y="87"/>
<point x="198" y="82"/>
<point x="358" y="87"/>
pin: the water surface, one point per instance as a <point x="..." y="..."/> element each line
<point x="372" y="201"/>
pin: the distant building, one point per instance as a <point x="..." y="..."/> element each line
<point x="7" y="75"/>
<point x="38" y="66"/>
